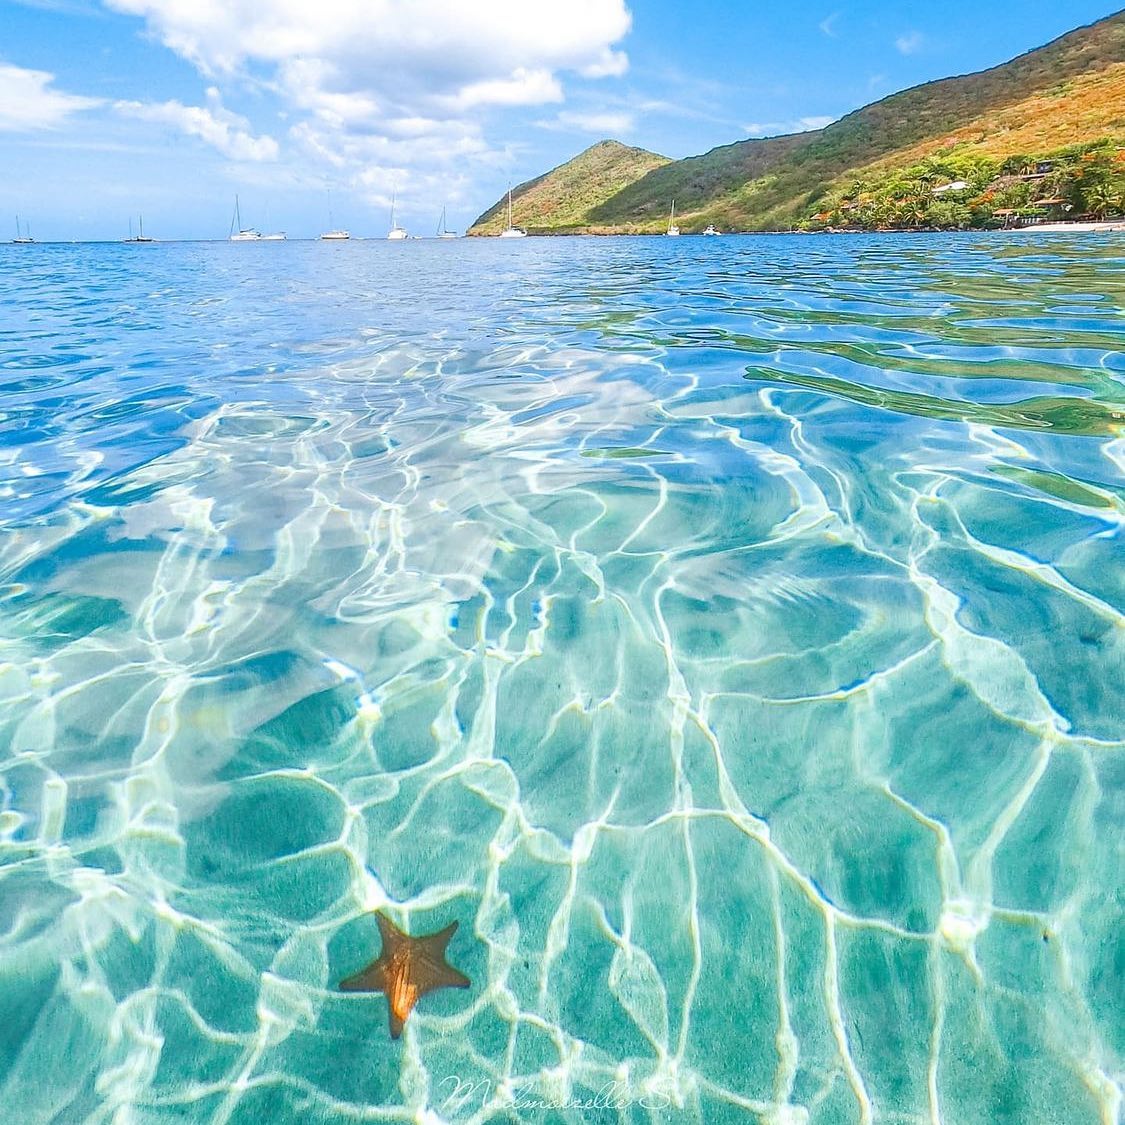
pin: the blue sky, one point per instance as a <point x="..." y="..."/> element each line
<point x="169" y="107"/>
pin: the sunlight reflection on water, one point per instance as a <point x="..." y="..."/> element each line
<point x="727" y="632"/>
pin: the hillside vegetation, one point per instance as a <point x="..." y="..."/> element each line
<point x="559" y="201"/>
<point x="963" y="187"/>
<point x="1046" y="104"/>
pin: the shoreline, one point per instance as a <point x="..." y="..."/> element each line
<point x="1111" y="226"/>
<point x="1080" y="227"/>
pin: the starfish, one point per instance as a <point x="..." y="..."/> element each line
<point x="407" y="968"/>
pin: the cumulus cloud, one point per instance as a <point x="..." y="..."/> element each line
<point x="399" y="82"/>
<point x="28" y="103"/>
<point x="611" y="64"/>
<point x="213" y="124"/>
<point x="603" y="124"/>
<point x="521" y="87"/>
<point x="475" y="53"/>
<point x="909" y="43"/>
<point x="781" y="128"/>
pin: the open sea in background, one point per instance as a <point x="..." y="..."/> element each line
<point x="728" y="632"/>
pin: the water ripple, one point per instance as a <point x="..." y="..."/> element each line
<point x="728" y="632"/>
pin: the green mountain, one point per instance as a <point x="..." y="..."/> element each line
<point x="1057" y="98"/>
<point x="560" y="201"/>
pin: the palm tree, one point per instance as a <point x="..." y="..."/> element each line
<point x="1102" y="201"/>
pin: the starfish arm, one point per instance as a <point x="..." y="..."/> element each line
<point x="431" y="975"/>
<point x="389" y="932"/>
<point x="435" y="944"/>
<point x="453" y="979"/>
<point x="370" y="979"/>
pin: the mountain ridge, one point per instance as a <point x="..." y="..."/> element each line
<point x="557" y="199"/>
<point x="775" y="182"/>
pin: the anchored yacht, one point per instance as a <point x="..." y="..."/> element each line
<point x="239" y="233"/>
<point x="396" y="233"/>
<point x="441" y="231"/>
<point x="334" y="233"/>
<point x="510" y="231"/>
<point x="141" y="236"/>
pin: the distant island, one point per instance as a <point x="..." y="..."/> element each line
<point x="1038" y="139"/>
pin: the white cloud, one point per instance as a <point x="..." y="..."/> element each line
<point x="908" y="43"/>
<point x="781" y="128"/>
<point x="603" y="124"/>
<point x="213" y="124"/>
<point x="384" y="84"/>
<point x="828" y="25"/>
<point x="611" y="64"/>
<point x="417" y="48"/>
<point x="521" y="87"/>
<point x="401" y="142"/>
<point x="27" y="103"/>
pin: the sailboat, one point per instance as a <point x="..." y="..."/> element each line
<point x="23" y="239"/>
<point x="334" y="233"/>
<point x="673" y="230"/>
<point x="239" y="233"/>
<point x="276" y="236"/>
<point x="510" y="231"/>
<point x="441" y="231"/>
<point x="712" y="231"/>
<point x="396" y="233"/>
<point x="141" y="237"/>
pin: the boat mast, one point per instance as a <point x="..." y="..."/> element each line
<point x="441" y="223"/>
<point x="141" y="220"/>
<point x="509" y="207"/>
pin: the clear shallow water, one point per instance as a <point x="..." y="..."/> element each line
<point x="729" y="634"/>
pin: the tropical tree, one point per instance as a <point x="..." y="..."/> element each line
<point x="1102" y="200"/>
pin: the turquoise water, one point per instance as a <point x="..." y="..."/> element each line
<point x="727" y="633"/>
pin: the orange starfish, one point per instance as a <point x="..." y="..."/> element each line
<point x="407" y="968"/>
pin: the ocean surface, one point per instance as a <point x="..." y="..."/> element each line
<point x="727" y="633"/>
